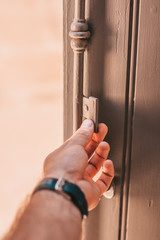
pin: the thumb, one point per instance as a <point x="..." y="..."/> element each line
<point x="84" y="134"/>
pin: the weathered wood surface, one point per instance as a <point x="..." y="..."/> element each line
<point x="144" y="196"/>
<point x="106" y="70"/>
<point x="105" y="77"/>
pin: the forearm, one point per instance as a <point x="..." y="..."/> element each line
<point x="48" y="216"/>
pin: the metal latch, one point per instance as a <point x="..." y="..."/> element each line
<point x="90" y="110"/>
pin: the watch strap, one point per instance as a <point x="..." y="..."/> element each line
<point x="72" y="191"/>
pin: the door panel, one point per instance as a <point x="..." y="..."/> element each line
<point x="105" y="70"/>
<point x="122" y="69"/>
<point x="144" y="194"/>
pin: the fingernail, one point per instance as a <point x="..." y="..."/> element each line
<point x="87" y="123"/>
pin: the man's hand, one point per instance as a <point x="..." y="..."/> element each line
<point x="48" y="215"/>
<point x="80" y="158"/>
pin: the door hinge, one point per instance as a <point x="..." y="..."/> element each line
<point x="91" y="110"/>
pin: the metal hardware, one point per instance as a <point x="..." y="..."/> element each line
<point x="59" y="184"/>
<point x="59" y="188"/>
<point x="90" y="110"/>
<point x="109" y="194"/>
<point x="79" y="41"/>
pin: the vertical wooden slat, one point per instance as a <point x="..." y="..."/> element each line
<point x="144" y="192"/>
<point x="106" y="63"/>
<point x="130" y="91"/>
<point x="68" y="13"/>
<point x="105" y="77"/>
<point x="113" y="107"/>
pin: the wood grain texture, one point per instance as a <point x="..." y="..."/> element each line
<point x="144" y="195"/>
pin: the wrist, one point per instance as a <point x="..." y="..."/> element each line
<point x="68" y="190"/>
<point x="54" y="202"/>
<point x="71" y="177"/>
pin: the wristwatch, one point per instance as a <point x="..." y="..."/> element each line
<point x="67" y="189"/>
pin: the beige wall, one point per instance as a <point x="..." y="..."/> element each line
<point x="30" y="95"/>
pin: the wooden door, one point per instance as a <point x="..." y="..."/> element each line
<point x="122" y="68"/>
<point x="143" y="213"/>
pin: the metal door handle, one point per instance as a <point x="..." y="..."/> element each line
<point x="83" y="106"/>
<point x="109" y="194"/>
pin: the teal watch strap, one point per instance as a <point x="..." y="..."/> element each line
<point x="63" y="186"/>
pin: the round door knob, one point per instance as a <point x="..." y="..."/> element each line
<point x="109" y="194"/>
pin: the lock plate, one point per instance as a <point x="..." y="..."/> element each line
<point x="90" y="110"/>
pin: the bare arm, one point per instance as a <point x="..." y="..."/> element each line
<point x="49" y="215"/>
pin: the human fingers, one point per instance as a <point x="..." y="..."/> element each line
<point x="84" y="134"/>
<point x="97" y="159"/>
<point x="106" y="177"/>
<point x="96" y="139"/>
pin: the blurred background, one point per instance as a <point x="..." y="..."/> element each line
<point x="31" y="92"/>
